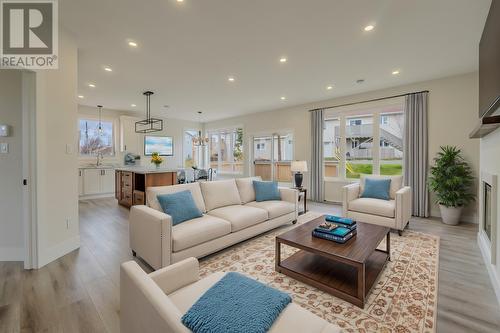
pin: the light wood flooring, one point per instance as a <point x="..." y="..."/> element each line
<point x="80" y="292"/>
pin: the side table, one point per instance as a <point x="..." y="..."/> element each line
<point x="302" y="190"/>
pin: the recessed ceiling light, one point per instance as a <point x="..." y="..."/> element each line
<point x="283" y="59"/>
<point x="81" y="96"/>
<point x="230" y="79"/>
<point x="329" y="87"/>
<point x="132" y="44"/>
<point x="91" y="85"/>
<point x="369" y="27"/>
<point x="180" y="0"/>
<point x="395" y="72"/>
<point x="108" y="69"/>
<point x="133" y="105"/>
<point x="283" y="98"/>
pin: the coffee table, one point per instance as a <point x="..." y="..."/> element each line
<point x="347" y="271"/>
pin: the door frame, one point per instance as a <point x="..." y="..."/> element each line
<point x="29" y="212"/>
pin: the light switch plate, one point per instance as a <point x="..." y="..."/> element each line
<point x="69" y="149"/>
<point x="4" y="148"/>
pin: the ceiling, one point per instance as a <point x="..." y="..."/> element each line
<point x="187" y="50"/>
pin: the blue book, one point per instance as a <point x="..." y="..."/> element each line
<point x="330" y="237"/>
<point x="339" y="231"/>
<point x="342" y="220"/>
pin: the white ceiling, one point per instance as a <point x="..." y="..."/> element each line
<point x="187" y="50"/>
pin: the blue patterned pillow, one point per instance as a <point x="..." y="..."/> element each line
<point x="377" y="188"/>
<point x="265" y="191"/>
<point x="180" y="206"/>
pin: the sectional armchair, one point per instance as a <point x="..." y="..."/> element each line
<point x="394" y="213"/>
<point x="230" y="215"/>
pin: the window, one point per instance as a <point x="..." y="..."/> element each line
<point x="226" y="150"/>
<point x="371" y="141"/>
<point x="261" y="146"/>
<point x="190" y="151"/>
<point x="92" y="141"/>
<point x="272" y="156"/>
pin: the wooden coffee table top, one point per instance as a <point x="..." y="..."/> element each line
<point x="357" y="249"/>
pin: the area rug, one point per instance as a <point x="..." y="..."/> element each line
<point x="404" y="299"/>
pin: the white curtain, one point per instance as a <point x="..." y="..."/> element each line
<point x="416" y="152"/>
<point x="317" y="190"/>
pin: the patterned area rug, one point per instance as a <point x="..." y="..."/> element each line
<point x="404" y="299"/>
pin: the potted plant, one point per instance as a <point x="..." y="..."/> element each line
<point x="156" y="159"/>
<point x="451" y="179"/>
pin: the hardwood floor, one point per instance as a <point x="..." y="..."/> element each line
<point x="80" y="292"/>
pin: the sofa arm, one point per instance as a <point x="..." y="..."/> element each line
<point x="349" y="193"/>
<point x="151" y="235"/>
<point x="290" y="195"/>
<point x="177" y="275"/>
<point x="403" y="207"/>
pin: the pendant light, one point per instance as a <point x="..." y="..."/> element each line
<point x="99" y="128"/>
<point x="149" y="124"/>
<point x="199" y="141"/>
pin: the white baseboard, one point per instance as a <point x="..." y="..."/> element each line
<point x="58" y="250"/>
<point x="492" y="272"/>
<point x="11" y="254"/>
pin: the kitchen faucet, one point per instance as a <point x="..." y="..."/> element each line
<point x="99" y="159"/>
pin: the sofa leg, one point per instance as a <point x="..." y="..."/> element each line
<point x="134" y="253"/>
<point x="294" y="222"/>
<point x="400" y="232"/>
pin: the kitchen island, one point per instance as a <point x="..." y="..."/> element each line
<point x="131" y="182"/>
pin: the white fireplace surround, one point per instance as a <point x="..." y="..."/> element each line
<point x="489" y="248"/>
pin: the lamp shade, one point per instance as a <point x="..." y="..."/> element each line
<point x="299" y="166"/>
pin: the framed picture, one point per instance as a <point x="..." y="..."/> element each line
<point x="164" y="145"/>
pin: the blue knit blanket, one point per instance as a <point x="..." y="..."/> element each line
<point x="236" y="304"/>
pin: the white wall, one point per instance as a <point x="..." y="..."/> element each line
<point x="56" y="168"/>
<point x="171" y="127"/>
<point x="452" y="115"/>
<point x="11" y="227"/>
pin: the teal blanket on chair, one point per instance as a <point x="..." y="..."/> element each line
<point x="236" y="304"/>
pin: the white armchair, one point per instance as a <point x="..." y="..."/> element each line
<point x="394" y="213"/>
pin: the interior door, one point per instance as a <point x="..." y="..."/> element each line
<point x="272" y="155"/>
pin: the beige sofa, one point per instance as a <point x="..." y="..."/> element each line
<point x="156" y="302"/>
<point x="394" y="213"/>
<point x="230" y="215"/>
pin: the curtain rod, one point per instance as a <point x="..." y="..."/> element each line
<point x="369" y="100"/>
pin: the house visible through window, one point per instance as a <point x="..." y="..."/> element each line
<point x="92" y="141"/>
<point x="226" y="150"/>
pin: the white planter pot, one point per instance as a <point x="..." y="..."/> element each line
<point x="450" y="215"/>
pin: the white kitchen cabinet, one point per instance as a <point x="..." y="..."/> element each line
<point x="96" y="181"/>
<point x="108" y="181"/>
<point x="91" y="181"/>
<point x="130" y="141"/>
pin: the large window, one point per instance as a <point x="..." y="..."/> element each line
<point x="93" y="141"/>
<point x="226" y="150"/>
<point x="272" y="156"/>
<point x="364" y="141"/>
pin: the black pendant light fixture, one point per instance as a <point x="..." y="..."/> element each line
<point x="148" y="125"/>
<point x="99" y="128"/>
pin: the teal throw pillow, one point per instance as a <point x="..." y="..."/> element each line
<point x="265" y="191"/>
<point x="377" y="188"/>
<point x="180" y="206"/>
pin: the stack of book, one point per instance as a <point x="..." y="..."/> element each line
<point x="335" y="228"/>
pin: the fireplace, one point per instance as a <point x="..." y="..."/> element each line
<point x="488" y="216"/>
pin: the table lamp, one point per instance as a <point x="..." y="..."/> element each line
<point x="298" y="167"/>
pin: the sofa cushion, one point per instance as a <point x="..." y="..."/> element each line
<point x="154" y="191"/>
<point x="372" y="206"/>
<point x="220" y="193"/>
<point x="274" y="208"/>
<point x="245" y="188"/>
<point x="197" y="231"/>
<point x="240" y="216"/>
<point x="265" y="191"/>
<point x="180" y="206"/>
<point x="377" y="189"/>
<point x="396" y="183"/>
<point x="293" y="319"/>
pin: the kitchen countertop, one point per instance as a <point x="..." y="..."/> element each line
<point x="145" y="170"/>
